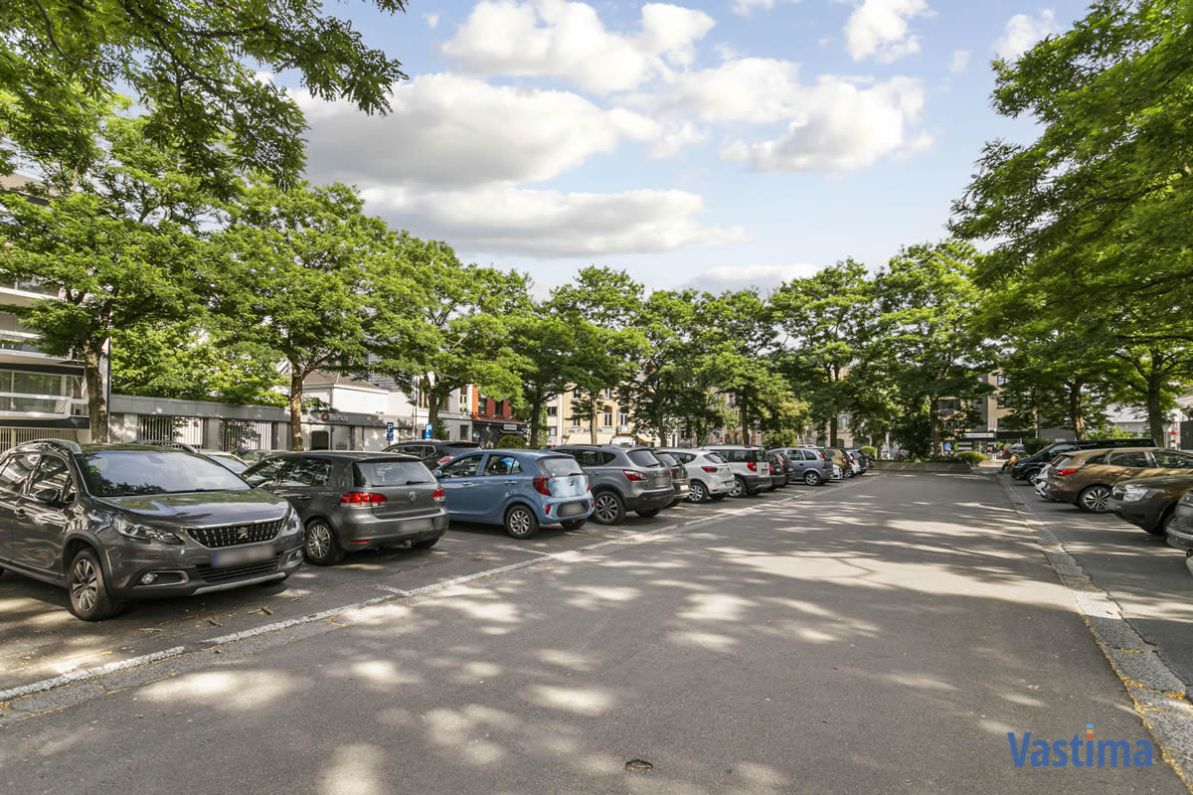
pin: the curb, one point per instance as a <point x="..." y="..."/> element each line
<point x="1160" y="698"/>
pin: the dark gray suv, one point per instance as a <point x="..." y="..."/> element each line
<point x="355" y="500"/>
<point x="623" y="479"/>
<point x="113" y="523"/>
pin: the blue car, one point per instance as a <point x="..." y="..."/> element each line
<point x="521" y="490"/>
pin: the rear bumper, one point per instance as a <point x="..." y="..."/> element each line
<point x="755" y="482"/>
<point x="361" y="529"/>
<point x="564" y="509"/>
<point x="648" y="500"/>
<point x="715" y="485"/>
<point x="682" y="490"/>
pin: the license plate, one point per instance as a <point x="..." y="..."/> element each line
<point x="418" y="525"/>
<point x="237" y="557"/>
<point x="572" y="508"/>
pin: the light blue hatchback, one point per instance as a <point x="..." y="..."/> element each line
<point x="521" y="490"/>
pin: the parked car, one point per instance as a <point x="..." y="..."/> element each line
<point x="1179" y="529"/>
<point x="433" y="452"/>
<point x="520" y="490"/>
<point x="1150" y="503"/>
<point x="113" y="523"/>
<point x="679" y="477"/>
<point x="230" y="461"/>
<point x="623" y="479"/>
<point x="842" y="461"/>
<point x="1086" y="478"/>
<point x="1041" y="484"/>
<point x="751" y="468"/>
<point x="709" y="477"/>
<point x="779" y="469"/>
<point x="251" y="457"/>
<point x="863" y="460"/>
<point x="1028" y="468"/>
<point x="349" y="501"/>
<point x="808" y="464"/>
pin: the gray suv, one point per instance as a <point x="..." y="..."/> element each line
<point x="353" y="500"/>
<point x="808" y="464"/>
<point x="623" y="479"/>
<point x="113" y="523"/>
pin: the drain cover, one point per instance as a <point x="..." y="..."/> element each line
<point x="639" y="766"/>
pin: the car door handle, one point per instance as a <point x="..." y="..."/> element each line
<point x="511" y="483"/>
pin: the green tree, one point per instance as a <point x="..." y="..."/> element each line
<point x="293" y="277"/>
<point x="119" y="244"/>
<point x="193" y="67"/>
<point x="544" y="343"/>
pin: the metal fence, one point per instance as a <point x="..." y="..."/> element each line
<point x="163" y="428"/>
<point x="247" y="435"/>
<point x="11" y="437"/>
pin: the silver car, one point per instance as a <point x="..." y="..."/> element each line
<point x="750" y="465"/>
<point x="623" y="479"/>
<point x="709" y="476"/>
<point x="808" y="465"/>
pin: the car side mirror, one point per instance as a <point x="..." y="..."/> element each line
<point x="439" y="474"/>
<point x="51" y="498"/>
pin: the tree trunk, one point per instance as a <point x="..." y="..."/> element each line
<point x="592" y="419"/>
<point x="97" y="400"/>
<point x="832" y="430"/>
<point x="1077" y="409"/>
<point x="536" y="424"/>
<point x="296" y="378"/>
<point x="434" y="400"/>
<point x="935" y="436"/>
<point x="1155" y="411"/>
<point x="743" y="405"/>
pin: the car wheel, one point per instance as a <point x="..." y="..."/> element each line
<point x="1095" y="499"/>
<point x="607" y="508"/>
<point x="573" y="524"/>
<point x="698" y="493"/>
<point x="1034" y="477"/>
<point x="90" y="599"/>
<point x="812" y="478"/>
<point x="847" y="474"/>
<point x="648" y="513"/>
<point x="1166" y="523"/>
<point x="321" y="546"/>
<point x="426" y="543"/>
<point x="520" y="522"/>
<point x="739" y="487"/>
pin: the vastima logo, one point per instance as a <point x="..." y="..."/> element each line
<point x="1081" y="750"/>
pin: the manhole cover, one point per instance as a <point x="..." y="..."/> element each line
<point x="639" y="766"/>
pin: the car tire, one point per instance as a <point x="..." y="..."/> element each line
<point x="813" y="478"/>
<point x="426" y="543"/>
<point x="319" y="545"/>
<point x="608" y="508"/>
<point x="1161" y="528"/>
<point x="88" y="596"/>
<point x="1094" y="499"/>
<point x="847" y="473"/>
<point x="740" y="489"/>
<point x="521" y="523"/>
<point x="573" y="524"/>
<point x="698" y="492"/>
<point x="1033" y="478"/>
<point x="648" y="513"/>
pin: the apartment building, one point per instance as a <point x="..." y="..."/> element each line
<point x="565" y="425"/>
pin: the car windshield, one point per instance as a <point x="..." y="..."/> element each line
<point x="713" y="458"/>
<point x="125" y="473"/>
<point x="644" y="458"/>
<point x="230" y="462"/>
<point x="560" y="467"/>
<point x="392" y="473"/>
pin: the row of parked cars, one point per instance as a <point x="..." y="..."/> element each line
<point x="1150" y="487"/>
<point x="115" y="523"/>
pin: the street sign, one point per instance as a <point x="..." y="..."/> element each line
<point x="427" y="429"/>
<point x="389" y="431"/>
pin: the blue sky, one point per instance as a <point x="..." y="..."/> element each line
<point x="717" y="144"/>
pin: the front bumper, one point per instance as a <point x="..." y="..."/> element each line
<point x="1141" y="513"/>
<point x="1180" y="531"/>
<point x="148" y="571"/>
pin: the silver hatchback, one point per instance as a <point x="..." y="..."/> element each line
<point x="709" y="476"/>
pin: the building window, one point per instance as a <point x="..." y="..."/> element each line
<point x="464" y="394"/>
<point x="608" y="393"/>
<point x="608" y="418"/>
<point x="623" y="418"/>
<point x="42" y="393"/>
<point x="464" y="433"/>
<point x="552" y="411"/>
<point x="578" y="393"/>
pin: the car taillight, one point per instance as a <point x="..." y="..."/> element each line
<point x="632" y="476"/>
<point x="1064" y="473"/>
<point x="709" y="469"/>
<point x="363" y="498"/>
<point x="439" y="495"/>
<point x="541" y="485"/>
<point x="444" y="459"/>
<point x="752" y="466"/>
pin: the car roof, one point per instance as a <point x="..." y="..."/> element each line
<point x="1099" y="450"/>
<point x="347" y="455"/>
<point x="601" y="447"/>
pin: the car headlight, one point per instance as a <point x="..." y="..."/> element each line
<point x="1135" y="493"/>
<point x="293" y="523"/>
<point x="1187" y="499"/>
<point x="143" y="532"/>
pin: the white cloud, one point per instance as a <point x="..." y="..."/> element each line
<point x="568" y="41"/>
<point x="451" y="130"/>
<point x="959" y="62"/>
<point x="1023" y="31"/>
<point x="745" y="7"/>
<point x="755" y="90"/>
<point x="431" y="19"/>
<point x="841" y="125"/>
<point x="762" y="277"/>
<point x="675" y="139"/>
<point x="503" y="219"/>
<point x="879" y="28"/>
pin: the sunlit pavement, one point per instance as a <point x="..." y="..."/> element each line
<point x="874" y="636"/>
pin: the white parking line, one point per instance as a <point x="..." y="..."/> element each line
<point x="628" y="539"/>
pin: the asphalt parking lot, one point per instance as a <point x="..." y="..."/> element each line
<point x="881" y="635"/>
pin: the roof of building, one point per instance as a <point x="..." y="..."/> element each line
<point x="323" y="378"/>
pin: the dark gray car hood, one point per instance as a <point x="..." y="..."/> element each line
<point x="204" y="508"/>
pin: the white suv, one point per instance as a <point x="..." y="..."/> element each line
<point x="710" y="477"/>
<point x="750" y="465"/>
